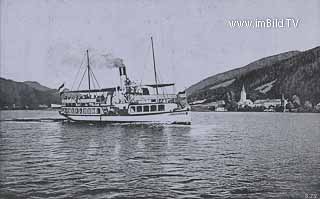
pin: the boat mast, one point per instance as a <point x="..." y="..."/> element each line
<point x="154" y="67"/>
<point x="88" y="70"/>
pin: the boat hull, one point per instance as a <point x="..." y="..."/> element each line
<point x="181" y="117"/>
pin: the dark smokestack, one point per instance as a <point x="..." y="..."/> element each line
<point x="122" y="71"/>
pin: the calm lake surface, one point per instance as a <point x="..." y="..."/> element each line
<point x="221" y="155"/>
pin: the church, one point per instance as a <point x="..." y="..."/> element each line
<point x="243" y="99"/>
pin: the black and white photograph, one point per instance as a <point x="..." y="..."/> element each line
<point x="159" y="99"/>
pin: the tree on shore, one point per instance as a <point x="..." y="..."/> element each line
<point x="296" y="101"/>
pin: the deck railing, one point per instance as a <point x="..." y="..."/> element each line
<point x="137" y="98"/>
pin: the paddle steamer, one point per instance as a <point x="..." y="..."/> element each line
<point x="129" y="102"/>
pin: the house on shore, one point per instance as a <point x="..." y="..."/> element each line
<point x="266" y="103"/>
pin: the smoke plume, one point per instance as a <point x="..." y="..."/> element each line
<point x="112" y="62"/>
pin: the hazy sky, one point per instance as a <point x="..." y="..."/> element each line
<point x="45" y="41"/>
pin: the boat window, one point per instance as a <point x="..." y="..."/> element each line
<point x="145" y="108"/>
<point x="76" y="110"/>
<point x="153" y="108"/>
<point x="98" y="111"/>
<point x="161" y="107"/>
<point x="93" y="111"/>
<point x="139" y="108"/>
<point x="80" y="111"/>
<point x="132" y="109"/>
<point x="145" y="91"/>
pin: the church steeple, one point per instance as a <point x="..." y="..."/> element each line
<point x="243" y="96"/>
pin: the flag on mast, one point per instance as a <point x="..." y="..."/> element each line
<point x="60" y="88"/>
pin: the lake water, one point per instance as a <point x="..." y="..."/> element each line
<point x="221" y="155"/>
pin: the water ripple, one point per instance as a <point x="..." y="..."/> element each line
<point x="219" y="156"/>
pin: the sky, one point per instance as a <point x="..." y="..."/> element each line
<point x="45" y="41"/>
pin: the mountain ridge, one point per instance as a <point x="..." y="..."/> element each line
<point x="37" y="85"/>
<point x="232" y="72"/>
<point x="26" y="94"/>
<point x="291" y="73"/>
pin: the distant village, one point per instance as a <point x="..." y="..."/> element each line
<point x="261" y="105"/>
<point x="243" y="105"/>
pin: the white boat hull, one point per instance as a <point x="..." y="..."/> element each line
<point x="181" y="117"/>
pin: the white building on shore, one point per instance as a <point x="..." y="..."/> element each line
<point x="55" y="106"/>
<point x="317" y="106"/>
<point x="267" y="103"/>
<point x="271" y="103"/>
